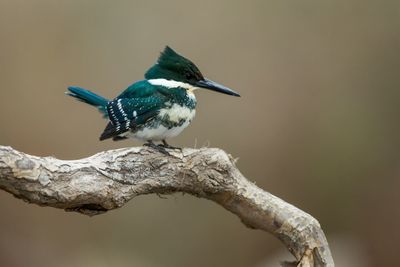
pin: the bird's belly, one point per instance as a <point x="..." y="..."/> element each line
<point x="169" y="123"/>
<point x="158" y="133"/>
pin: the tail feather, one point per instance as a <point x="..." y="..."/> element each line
<point x="88" y="97"/>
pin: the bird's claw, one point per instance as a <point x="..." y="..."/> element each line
<point x="159" y="148"/>
<point x="166" y="145"/>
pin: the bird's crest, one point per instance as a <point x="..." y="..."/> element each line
<point x="172" y="66"/>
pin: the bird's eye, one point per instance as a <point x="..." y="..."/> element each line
<point x="188" y="75"/>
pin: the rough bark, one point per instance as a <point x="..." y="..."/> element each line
<point x="109" y="179"/>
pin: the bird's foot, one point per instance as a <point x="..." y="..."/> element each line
<point x="166" y="145"/>
<point x="159" y="148"/>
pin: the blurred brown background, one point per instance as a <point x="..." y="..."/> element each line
<point x="317" y="124"/>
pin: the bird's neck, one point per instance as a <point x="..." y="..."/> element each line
<point x="171" y="84"/>
<point x="182" y="97"/>
<point x="178" y="92"/>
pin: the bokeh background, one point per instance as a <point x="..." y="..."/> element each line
<point x="317" y="124"/>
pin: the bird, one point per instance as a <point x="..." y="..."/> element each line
<point x="156" y="108"/>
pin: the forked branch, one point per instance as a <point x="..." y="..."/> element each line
<point x="109" y="179"/>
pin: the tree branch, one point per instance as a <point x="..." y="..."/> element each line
<point x="109" y="179"/>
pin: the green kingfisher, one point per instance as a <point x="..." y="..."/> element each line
<point x="156" y="108"/>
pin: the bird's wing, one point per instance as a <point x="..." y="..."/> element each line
<point x="127" y="113"/>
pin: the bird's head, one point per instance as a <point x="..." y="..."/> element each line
<point x="173" y="67"/>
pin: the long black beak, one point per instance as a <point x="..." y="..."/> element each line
<point x="208" y="84"/>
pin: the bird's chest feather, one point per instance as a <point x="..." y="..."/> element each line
<point x="170" y="122"/>
<point x="177" y="111"/>
<point x="175" y="115"/>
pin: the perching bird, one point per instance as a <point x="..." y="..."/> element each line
<point x="156" y="108"/>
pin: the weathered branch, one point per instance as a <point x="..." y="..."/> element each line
<point x="109" y="179"/>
